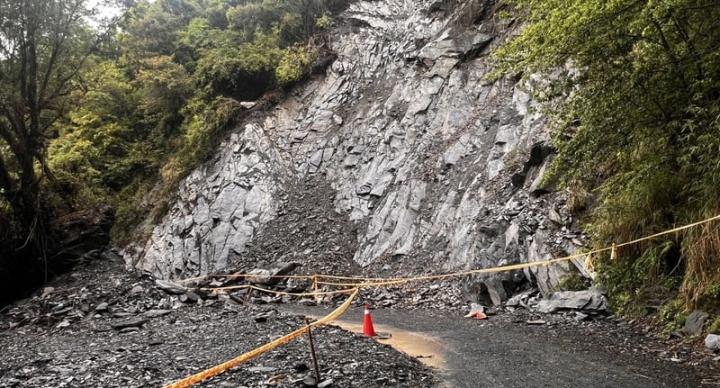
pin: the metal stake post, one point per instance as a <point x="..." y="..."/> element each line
<point x="312" y="351"/>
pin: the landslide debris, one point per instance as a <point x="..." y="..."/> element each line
<point x="309" y="230"/>
<point x="101" y="326"/>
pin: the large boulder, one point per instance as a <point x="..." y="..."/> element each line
<point x="695" y="322"/>
<point x="588" y="300"/>
<point x="493" y="289"/>
<point x="547" y="277"/>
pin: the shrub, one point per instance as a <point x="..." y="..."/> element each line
<point x="633" y="99"/>
<point x="294" y="64"/>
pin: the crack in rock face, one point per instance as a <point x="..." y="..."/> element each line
<point x="431" y="162"/>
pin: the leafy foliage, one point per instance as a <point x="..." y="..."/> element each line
<point x="295" y="62"/>
<point x="636" y="124"/>
<point x="152" y="105"/>
<point x="42" y="45"/>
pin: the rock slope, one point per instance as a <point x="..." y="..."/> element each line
<point x="433" y="166"/>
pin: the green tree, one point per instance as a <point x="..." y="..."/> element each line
<point x="155" y="101"/>
<point x="43" y="46"/>
<point x="634" y="94"/>
<point x="95" y="140"/>
<point x="295" y="62"/>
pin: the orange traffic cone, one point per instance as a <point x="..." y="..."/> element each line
<point x="368" y="328"/>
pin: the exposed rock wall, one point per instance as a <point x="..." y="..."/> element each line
<point x="438" y="167"/>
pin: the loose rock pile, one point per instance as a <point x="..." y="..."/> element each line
<point x="307" y="229"/>
<point x="102" y="326"/>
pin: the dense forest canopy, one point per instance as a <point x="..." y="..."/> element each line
<point x="635" y="101"/>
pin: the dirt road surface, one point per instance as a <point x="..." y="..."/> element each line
<point x="507" y="352"/>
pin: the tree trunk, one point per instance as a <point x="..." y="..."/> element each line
<point x="28" y="194"/>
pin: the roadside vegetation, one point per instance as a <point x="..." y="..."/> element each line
<point x="633" y="93"/>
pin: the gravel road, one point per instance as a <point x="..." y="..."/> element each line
<point x="507" y="352"/>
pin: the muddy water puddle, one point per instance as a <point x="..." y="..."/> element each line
<point x="425" y="348"/>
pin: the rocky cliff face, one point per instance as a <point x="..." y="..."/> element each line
<point x="419" y="162"/>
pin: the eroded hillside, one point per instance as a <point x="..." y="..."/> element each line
<point x="403" y="147"/>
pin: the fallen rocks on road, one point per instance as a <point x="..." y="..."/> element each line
<point x="130" y="322"/>
<point x="587" y="300"/>
<point x="170" y="287"/>
<point x="694" y="323"/>
<point x="155" y="313"/>
<point x="536" y="322"/>
<point x="443" y="295"/>
<point x="525" y="299"/>
<point x="712" y="342"/>
<point x="273" y="275"/>
<point x="150" y="338"/>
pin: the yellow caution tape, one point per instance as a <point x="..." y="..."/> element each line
<point x="265" y="290"/>
<point x="244" y="275"/>
<point x="589" y="263"/>
<point x="381" y="282"/>
<point x="218" y="369"/>
<point x="613" y="252"/>
<point x="674" y="230"/>
<point x="505" y="268"/>
<point x="346" y="291"/>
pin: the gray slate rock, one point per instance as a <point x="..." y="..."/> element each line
<point x="156" y="313"/>
<point x="695" y="322"/>
<point x="325" y="383"/>
<point x="130" y="322"/>
<point x="189" y="297"/>
<point x="170" y="287"/>
<point x="496" y="290"/>
<point x="588" y="300"/>
<point x="712" y="342"/>
<point x="273" y="275"/>
<point x="262" y="369"/>
<point x="137" y="290"/>
<point x="522" y="298"/>
<point x="371" y="120"/>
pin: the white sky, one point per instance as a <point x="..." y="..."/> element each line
<point x="105" y="11"/>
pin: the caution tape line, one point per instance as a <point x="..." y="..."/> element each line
<point x="506" y="268"/>
<point x="381" y="282"/>
<point x="246" y="275"/>
<point x="265" y="290"/>
<point x="221" y="368"/>
<point x="671" y="231"/>
<point x="378" y="282"/>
